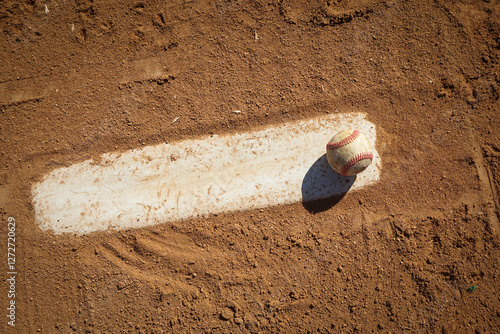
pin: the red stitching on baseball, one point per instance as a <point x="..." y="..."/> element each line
<point x="347" y="140"/>
<point x="354" y="160"/>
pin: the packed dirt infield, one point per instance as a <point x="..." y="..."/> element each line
<point x="415" y="252"/>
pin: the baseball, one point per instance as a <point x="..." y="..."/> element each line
<point x="349" y="152"/>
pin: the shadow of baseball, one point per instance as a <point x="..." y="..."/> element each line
<point x="322" y="187"/>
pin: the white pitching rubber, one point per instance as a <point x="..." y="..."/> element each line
<point x="276" y="165"/>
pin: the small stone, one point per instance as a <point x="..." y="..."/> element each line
<point x="238" y="321"/>
<point x="226" y="314"/>
<point x="233" y="306"/>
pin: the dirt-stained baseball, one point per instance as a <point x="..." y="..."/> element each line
<point x="349" y="152"/>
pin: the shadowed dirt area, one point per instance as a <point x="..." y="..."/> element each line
<point x="417" y="252"/>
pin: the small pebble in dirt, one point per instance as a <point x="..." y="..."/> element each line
<point x="226" y="314"/>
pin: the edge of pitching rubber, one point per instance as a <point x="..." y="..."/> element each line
<point x="347" y="140"/>
<point x="354" y="160"/>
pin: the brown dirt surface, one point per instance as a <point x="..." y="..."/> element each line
<point x="81" y="78"/>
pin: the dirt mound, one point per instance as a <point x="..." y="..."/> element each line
<point x="416" y="252"/>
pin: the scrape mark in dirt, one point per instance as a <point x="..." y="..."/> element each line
<point x="325" y="13"/>
<point x="18" y="91"/>
<point x="491" y="154"/>
<point x="487" y="179"/>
